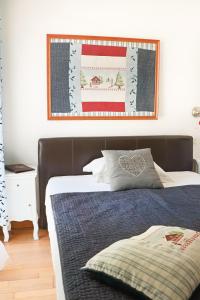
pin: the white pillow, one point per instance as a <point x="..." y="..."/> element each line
<point x="164" y="177"/>
<point x="95" y="165"/>
<point x="98" y="168"/>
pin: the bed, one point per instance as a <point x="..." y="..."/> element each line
<point x="60" y="173"/>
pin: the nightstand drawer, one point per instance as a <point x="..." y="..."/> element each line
<point x="22" y="187"/>
<point x="21" y="198"/>
<point x="20" y="211"/>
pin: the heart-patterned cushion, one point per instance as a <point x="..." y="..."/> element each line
<point x="134" y="165"/>
<point x="128" y="169"/>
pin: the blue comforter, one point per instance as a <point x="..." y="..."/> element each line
<point x="88" y="222"/>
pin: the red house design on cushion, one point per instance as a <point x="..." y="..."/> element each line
<point x="174" y="237"/>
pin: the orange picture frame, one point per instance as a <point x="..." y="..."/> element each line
<point x="113" y="78"/>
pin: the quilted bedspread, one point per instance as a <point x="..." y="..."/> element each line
<point x="88" y="222"/>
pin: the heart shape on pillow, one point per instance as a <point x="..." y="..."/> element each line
<point x="134" y="165"/>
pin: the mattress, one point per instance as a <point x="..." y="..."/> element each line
<point x="87" y="183"/>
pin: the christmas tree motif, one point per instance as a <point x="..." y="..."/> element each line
<point x="83" y="80"/>
<point x="119" y="81"/>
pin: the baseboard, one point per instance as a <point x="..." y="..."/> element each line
<point x="23" y="224"/>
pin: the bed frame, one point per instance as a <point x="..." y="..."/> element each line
<point x="67" y="156"/>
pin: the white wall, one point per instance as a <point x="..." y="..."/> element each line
<point x="175" y="22"/>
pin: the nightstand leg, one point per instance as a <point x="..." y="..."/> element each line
<point x="35" y="230"/>
<point x="5" y="233"/>
<point x="9" y="226"/>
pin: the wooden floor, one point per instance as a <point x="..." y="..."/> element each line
<point x="28" y="274"/>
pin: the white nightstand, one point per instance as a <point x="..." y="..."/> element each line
<point x="21" y="198"/>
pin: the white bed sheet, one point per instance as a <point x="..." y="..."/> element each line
<point x="87" y="183"/>
<point x="182" y="178"/>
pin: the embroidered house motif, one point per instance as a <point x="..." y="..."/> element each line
<point x="174" y="237"/>
<point x="181" y="239"/>
<point x="95" y="80"/>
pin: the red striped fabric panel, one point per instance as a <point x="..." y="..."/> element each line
<point x="103" y="106"/>
<point x="103" y="50"/>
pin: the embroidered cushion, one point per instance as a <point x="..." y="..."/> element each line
<point x="163" y="263"/>
<point x="131" y="169"/>
<point x="98" y="168"/>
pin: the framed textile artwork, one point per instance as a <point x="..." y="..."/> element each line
<point x="90" y="77"/>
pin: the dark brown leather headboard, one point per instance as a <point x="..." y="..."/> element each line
<point x="67" y="156"/>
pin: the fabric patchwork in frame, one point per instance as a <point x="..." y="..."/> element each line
<point x="60" y="53"/>
<point x="102" y="77"/>
<point x="145" y="80"/>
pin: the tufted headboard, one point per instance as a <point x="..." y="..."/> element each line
<point x="67" y="156"/>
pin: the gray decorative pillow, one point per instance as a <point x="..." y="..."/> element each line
<point x="129" y="169"/>
<point x="163" y="263"/>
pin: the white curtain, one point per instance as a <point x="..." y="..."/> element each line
<point x="3" y="200"/>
